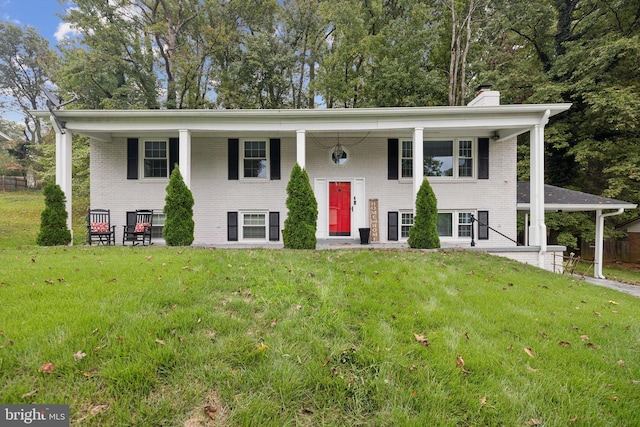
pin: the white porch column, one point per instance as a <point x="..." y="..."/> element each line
<point x="64" y="169"/>
<point x="598" y="258"/>
<point x="418" y="165"/>
<point x="597" y="266"/>
<point x="537" y="229"/>
<point x="301" y="148"/>
<point x="184" y="154"/>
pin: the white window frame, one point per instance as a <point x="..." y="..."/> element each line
<point x="410" y="158"/>
<point x="456" y="224"/>
<point x="158" y="222"/>
<point x="403" y="224"/>
<point x="456" y="157"/>
<point x="243" y="158"/>
<point x="241" y="226"/>
<point x="142" y="155"/>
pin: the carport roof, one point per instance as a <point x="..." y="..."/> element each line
<point x="557" y="198"/>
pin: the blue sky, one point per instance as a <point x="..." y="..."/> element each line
<point x="40" y="14"/>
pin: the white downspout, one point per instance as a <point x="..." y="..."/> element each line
<point x="597" y="267"/>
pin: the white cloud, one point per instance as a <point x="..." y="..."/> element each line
<point x="66" y="31"/>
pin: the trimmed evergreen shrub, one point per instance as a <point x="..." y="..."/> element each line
<point x="300" y="226"/>
<point x="53" y="220"/>
<point x="424" y="233"/>
<point x="178" y="210"/>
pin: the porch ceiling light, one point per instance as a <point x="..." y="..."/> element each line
<point x="338" y="151"/>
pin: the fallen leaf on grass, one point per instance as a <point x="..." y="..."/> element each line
<point x="564" y="344"/>
<point x="414" y="393"/>
<point x="298" y="307"/>
<point x="573" y="420"/>
<point x="613" y="302"/>
<point x="483" y="400"/>
<point x="262" y="347"/>
<point x="597" y="314"/>
<point x="584" y="337"/>
<point x="98" y="409"/>
<point x="421" y="339"/>
<point x="210" y="411"/>
<point x="533" y="422"/>
<point x="529" y="351"/>
<point x="543" y="334"/>
<point x="621" y="363"/>
<point x="273" y="323"/>
<point x="79" y="355"/>
<point x="159" y="341"/>
<point x="30" y="394"/>
<point x="97" y="349"/>
<point x="460" y="363"/>
<point x="591" y="346"/>
<point x="47" y="368"/>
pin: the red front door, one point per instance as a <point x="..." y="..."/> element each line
<point x="339" y="209"/>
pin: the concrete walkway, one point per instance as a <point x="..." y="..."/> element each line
<point x="618" y="286"/>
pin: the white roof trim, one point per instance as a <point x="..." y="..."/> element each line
<point x="578" y="207"/>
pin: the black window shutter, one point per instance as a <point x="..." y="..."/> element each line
<point x="274" y="158"/>
<point x="174" y="153"/>
<point x="483" y="225"/>
<point x="274" y="226"/>
<point x="483" y="158"/>
<point x="393" y="159"/>
<point x="132" y="158"/>
<point x="232" y="226"/>
<point x="234" y="153"/>
<point x="392" y="225"/>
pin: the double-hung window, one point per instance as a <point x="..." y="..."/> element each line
<point x="254" y="159"/>
<point x="406" y="222"/>
<point x="456" y="224"/>
<point x="406" y="159"/>
<point x="254" y="226"/>
<point x="156" y="158"/>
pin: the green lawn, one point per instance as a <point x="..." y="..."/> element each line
<point x="153" y="336"/>
<point x="312" y="338"/>
<point x="20" y="217"/>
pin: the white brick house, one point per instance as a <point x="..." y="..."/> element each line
<point x="237" y="164"/>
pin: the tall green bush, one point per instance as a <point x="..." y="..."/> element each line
<point x="53" y="220"/>
<point x="300" y="226"/>
<point x="424" y="233"/>
<point x="178" y="210"/>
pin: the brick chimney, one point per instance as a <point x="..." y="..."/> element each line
<point x="485" y="97"/>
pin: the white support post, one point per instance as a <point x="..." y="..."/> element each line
<point x="301" y="148"/>
<point x="597" y="266"/>
<point x="64" y="168"/>
<point x="538" y="229"/>
<point x="599" y="255"/>
<point x="418" y="165"/>
<point x="184" y="154"/>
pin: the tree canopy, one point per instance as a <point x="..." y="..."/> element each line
<point x="134" y="54"/>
